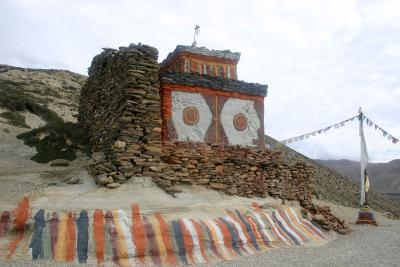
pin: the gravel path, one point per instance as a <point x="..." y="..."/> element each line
<point x="366" y="246"/>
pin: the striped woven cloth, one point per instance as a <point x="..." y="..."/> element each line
<point x="129" y="238"/>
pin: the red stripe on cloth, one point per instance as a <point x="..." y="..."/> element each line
<point x="54" y="221"/>
<point x="98" y="235"/>
<point x="113" y="235"/>
<point x="253" y="225"/>
<point x="152" y="242"/>
<point x="187" y="240"/>
<point x="200" y="235"/>
<point x="226" y="236"/>
<point x="5" y="221"/>
<point x="21" y="215"/>
<point x="138" y="233"/>
<point x="244" y="229"/>
<point x="171" y="259"/>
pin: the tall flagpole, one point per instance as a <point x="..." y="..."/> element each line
<point x="365" y="215"/>
<point x="363" y="157"/>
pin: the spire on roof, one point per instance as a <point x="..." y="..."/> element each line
<point x="196" y="32"/>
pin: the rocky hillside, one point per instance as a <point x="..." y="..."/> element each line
<point x="45" y="101"/>
<point x="33" y="97"/>
<point x="30" y="97"/>
<point x="332" y="186"/>
<point x="384" y="177"/>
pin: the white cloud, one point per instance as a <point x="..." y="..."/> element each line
<point x="321" y="59"/>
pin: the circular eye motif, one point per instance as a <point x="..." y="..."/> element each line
<point x="240" y="122"/>
<point x="191" y="115"/>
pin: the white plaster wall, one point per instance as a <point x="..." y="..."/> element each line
<point x="232" y="107"/>
<point x="182" y="100"/>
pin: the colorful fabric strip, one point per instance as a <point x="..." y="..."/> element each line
<point x="100" y="236"/>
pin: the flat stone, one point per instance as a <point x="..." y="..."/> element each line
<point x="73" y="180"/>
<point x="98" y="156"/>
<point x="120" y="144"/>
<point x="219" y="168"/>
<point x="203" y="181"/>
<point x="182" y="174"/>
<point x="153" y="149"/>
<point x="155" y="168"/>
<point x="218" y="186"/>
<point x="109" y="166"/>
<point x="59" y="162"/>
<point x="173" y="189"/>
<point x="119" y="178"/>
<point x="232" y="191"/>
<point x="113" y="185"/>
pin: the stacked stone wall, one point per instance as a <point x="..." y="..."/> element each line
<point x="120" y="108"/>
<point x="243" y="171"/>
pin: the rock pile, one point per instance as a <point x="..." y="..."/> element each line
<point x="120" y="108"/>
<point x="323" y="216"/>
<point x="243" y="171"/>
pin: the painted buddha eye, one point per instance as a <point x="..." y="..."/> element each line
<point x="240" y="122"/>
<point x="191" y="116"/>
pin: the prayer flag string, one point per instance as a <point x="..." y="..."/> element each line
<point x="369" y="122"/>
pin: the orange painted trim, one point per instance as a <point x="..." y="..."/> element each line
<point x="210" y="91"/>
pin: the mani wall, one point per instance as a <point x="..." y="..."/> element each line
<point x="138" y="121"/>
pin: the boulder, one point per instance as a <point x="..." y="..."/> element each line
<point x="101" y="179"/>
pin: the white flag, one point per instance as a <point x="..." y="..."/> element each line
<point x="364" y="160"/>
<point x="197" y="30"/>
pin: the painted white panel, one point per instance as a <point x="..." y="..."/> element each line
<point x="182" y="100"/>
<point x="232" y="107"/>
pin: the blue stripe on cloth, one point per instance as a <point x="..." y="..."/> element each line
<point x="280" y="224"/>
<point x="37" y="242"/>
<point x="179" y="241"/>
<point x="236" y="242"/>
<point x="83" y="237"/>
<point x="249" y="230"/>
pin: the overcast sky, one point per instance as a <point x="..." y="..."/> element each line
<point x="321" y="59"/>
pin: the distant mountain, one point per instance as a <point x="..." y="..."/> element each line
<point x="384" y="177"/>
